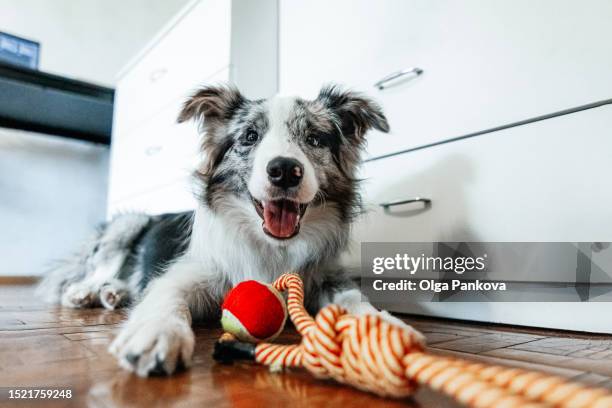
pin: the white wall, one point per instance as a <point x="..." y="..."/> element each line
<point x="52" y="194"/>
<point x="87" y="39"/>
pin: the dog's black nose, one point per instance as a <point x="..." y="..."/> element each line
<point x="285" y="172"/>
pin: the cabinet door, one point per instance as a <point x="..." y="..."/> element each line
<point x="196" y="47"/>
<point x="159" y="153"/>
<point x="485" y="63"/>
<point x="547" y="181"/>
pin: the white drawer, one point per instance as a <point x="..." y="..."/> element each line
<point x="197" y="47"/>
<point x="157" y="153"/>
<point x="172" y="198"/>
<point x="546" y="181"/>
<point x="486" y="63"/>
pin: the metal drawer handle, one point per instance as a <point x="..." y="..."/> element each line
<point x="157" y="74"/>
<point x="389" y="204"/>
<point x="152" y="150"/>
<point x="415" y="72"/>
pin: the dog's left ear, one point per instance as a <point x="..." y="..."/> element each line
<point x="212" y="104"/>
<point x="356" y="113"/>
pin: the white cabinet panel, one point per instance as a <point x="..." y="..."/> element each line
<point x="197" y="47"/>
<point x="546" y="181"/>
<point x="159" y="152"/>
<point x="543" y="182"/>
<point x="486" y="63"/>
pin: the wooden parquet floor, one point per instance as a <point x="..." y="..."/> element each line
<point x="44" y="346"/>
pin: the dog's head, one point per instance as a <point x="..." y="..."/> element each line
<point x="282" y="165"/>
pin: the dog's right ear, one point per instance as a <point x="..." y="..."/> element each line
<point x="212" y="107"/>
<point x="212" y="104"/>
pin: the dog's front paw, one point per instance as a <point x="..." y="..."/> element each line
<point x="154" y="346"/>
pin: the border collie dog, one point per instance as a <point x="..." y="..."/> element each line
<point x="277" y="193"/>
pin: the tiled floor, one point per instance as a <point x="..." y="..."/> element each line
<point x="42" y="346"/>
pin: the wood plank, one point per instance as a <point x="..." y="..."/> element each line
<point x="527" y="365"/>
<point x="486" y="342"/>
<point x="580" y="364"/>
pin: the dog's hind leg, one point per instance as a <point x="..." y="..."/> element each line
<point x="100" y="284"/>
<point x="86" y="293"/>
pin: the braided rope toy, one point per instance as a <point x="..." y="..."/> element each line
<point x="389" y="360"/>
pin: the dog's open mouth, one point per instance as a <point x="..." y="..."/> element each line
<point x="281" y="218"/>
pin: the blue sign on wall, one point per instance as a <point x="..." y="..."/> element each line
<point x="19" y="51"/>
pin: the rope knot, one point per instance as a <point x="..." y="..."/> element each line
<point x="364" y="351"/>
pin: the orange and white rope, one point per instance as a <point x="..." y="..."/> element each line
<point x="373" y="355"/>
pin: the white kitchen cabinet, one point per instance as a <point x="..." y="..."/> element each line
<point x="511" y="185"/>
<point x="154" y="157"/>
<point x="485" y="63"/>
<point x="194" y="47"/>
<point x="546" y="181"/>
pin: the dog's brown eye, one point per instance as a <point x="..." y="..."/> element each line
<point x="250" y="138"/>
<point x="314" y="141"/>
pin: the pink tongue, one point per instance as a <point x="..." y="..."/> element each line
<point x="280" y="218"/>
